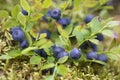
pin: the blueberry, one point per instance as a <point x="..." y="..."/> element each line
<point x="75" y="53"/>
<point x="52" y="70"/>
<point x="93" y="46"/>
<point x="64" y="21"/>
<point x="48" y="33"/>
<point x="57" y="50"/>
<point x="24" y="44"/>
<point x="88" y="18"/>
<point x="85" y="45"/>
<point x="18" y="35"/>
<point x="41" y="52"/>
<point x="62" y="54"/>
<point x="91" y="55"/>
<point x="102" y="57"/>
<point x="24" y="12"/>
<point x="45" y="71"/>
<point x="15" y="28"/>
<point x="55" y="14"/>
<point x="100" y="37"/>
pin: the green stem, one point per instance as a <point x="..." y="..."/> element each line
<point x="55" y="70"/>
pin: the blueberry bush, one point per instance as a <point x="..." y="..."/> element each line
<point x="58" y="40"/>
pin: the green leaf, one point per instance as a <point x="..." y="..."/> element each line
<point x="66" y="4"/>
<point x="76" y="63"/>
<point x="25" y="5"/>
<point x="14" y="53"/>
<point x="36" y="17"/>
<point x="30" y="53"/>
<point x="27" y="50"/>
<point x="69" y="29"/>
<point x="47" y="3"/>
<point x="113" y="24"/>
<point x="29" y="27"/>
<point x="48" y="65"/>
<point x="102" y="1"/>
<point x="85" y="33"/>
<point x="33" y="33"/>
<point x="96" y="61"/>
<point x="95" y="41"/>
<point x="61" y="31"/>
<point x="27" y="35"/>
<point x="62" y="70"/>
<point x="78" y="34"/>
<point x="15" y="11"/>
<point x="21" y="18"/>
<point x="47" y="45"/>
<point x="10" y="23"/>
<point x="77" y="3"/>
<point x="4" y="14"/>
<point x="35" y="60"/>
<point x="95" y="24"/>
<point x="63" y="59"/>
<point x="90" y="3"/>
<point x="50" y="59"/>
<point x="40" y="42"/>
<point x="5" y="57"/>
<point x="43" y="35"/>
<point x="108" y="33"/>
<point x="104" y="13"/>
<point x="50" y="78"/>
<point x="113" y="56"/>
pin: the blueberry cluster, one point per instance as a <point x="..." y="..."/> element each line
<point x="56" y="14"/>
<point x="87" y="19"/>
<point x="59" y="52"/>
<point x="18" y="35"/>
<point x="87" y="44"/>
<point x="93" y="55"/>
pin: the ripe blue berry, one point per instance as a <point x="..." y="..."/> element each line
<point x="100" y="37"/>
<point x="15" y="28"/>
<point x="88" y="18"/>
<point x="91" y="55"/>
<point x="57" y="50"/>
<point x="85" y="45"/>
<point x="48" y="33"/>
<point x="62" y="54"/>
<point x="18" y="35"/>
<point x="24" y="12"/>
<point x="24" y="44"/>
<point x="102" y="57"/>
<point x="41" y="52"/>
<point x="64" y="21"/>
<point x="55" y="14"/>
<point x="75" y="53"/>
<point x="93" y="46"/>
